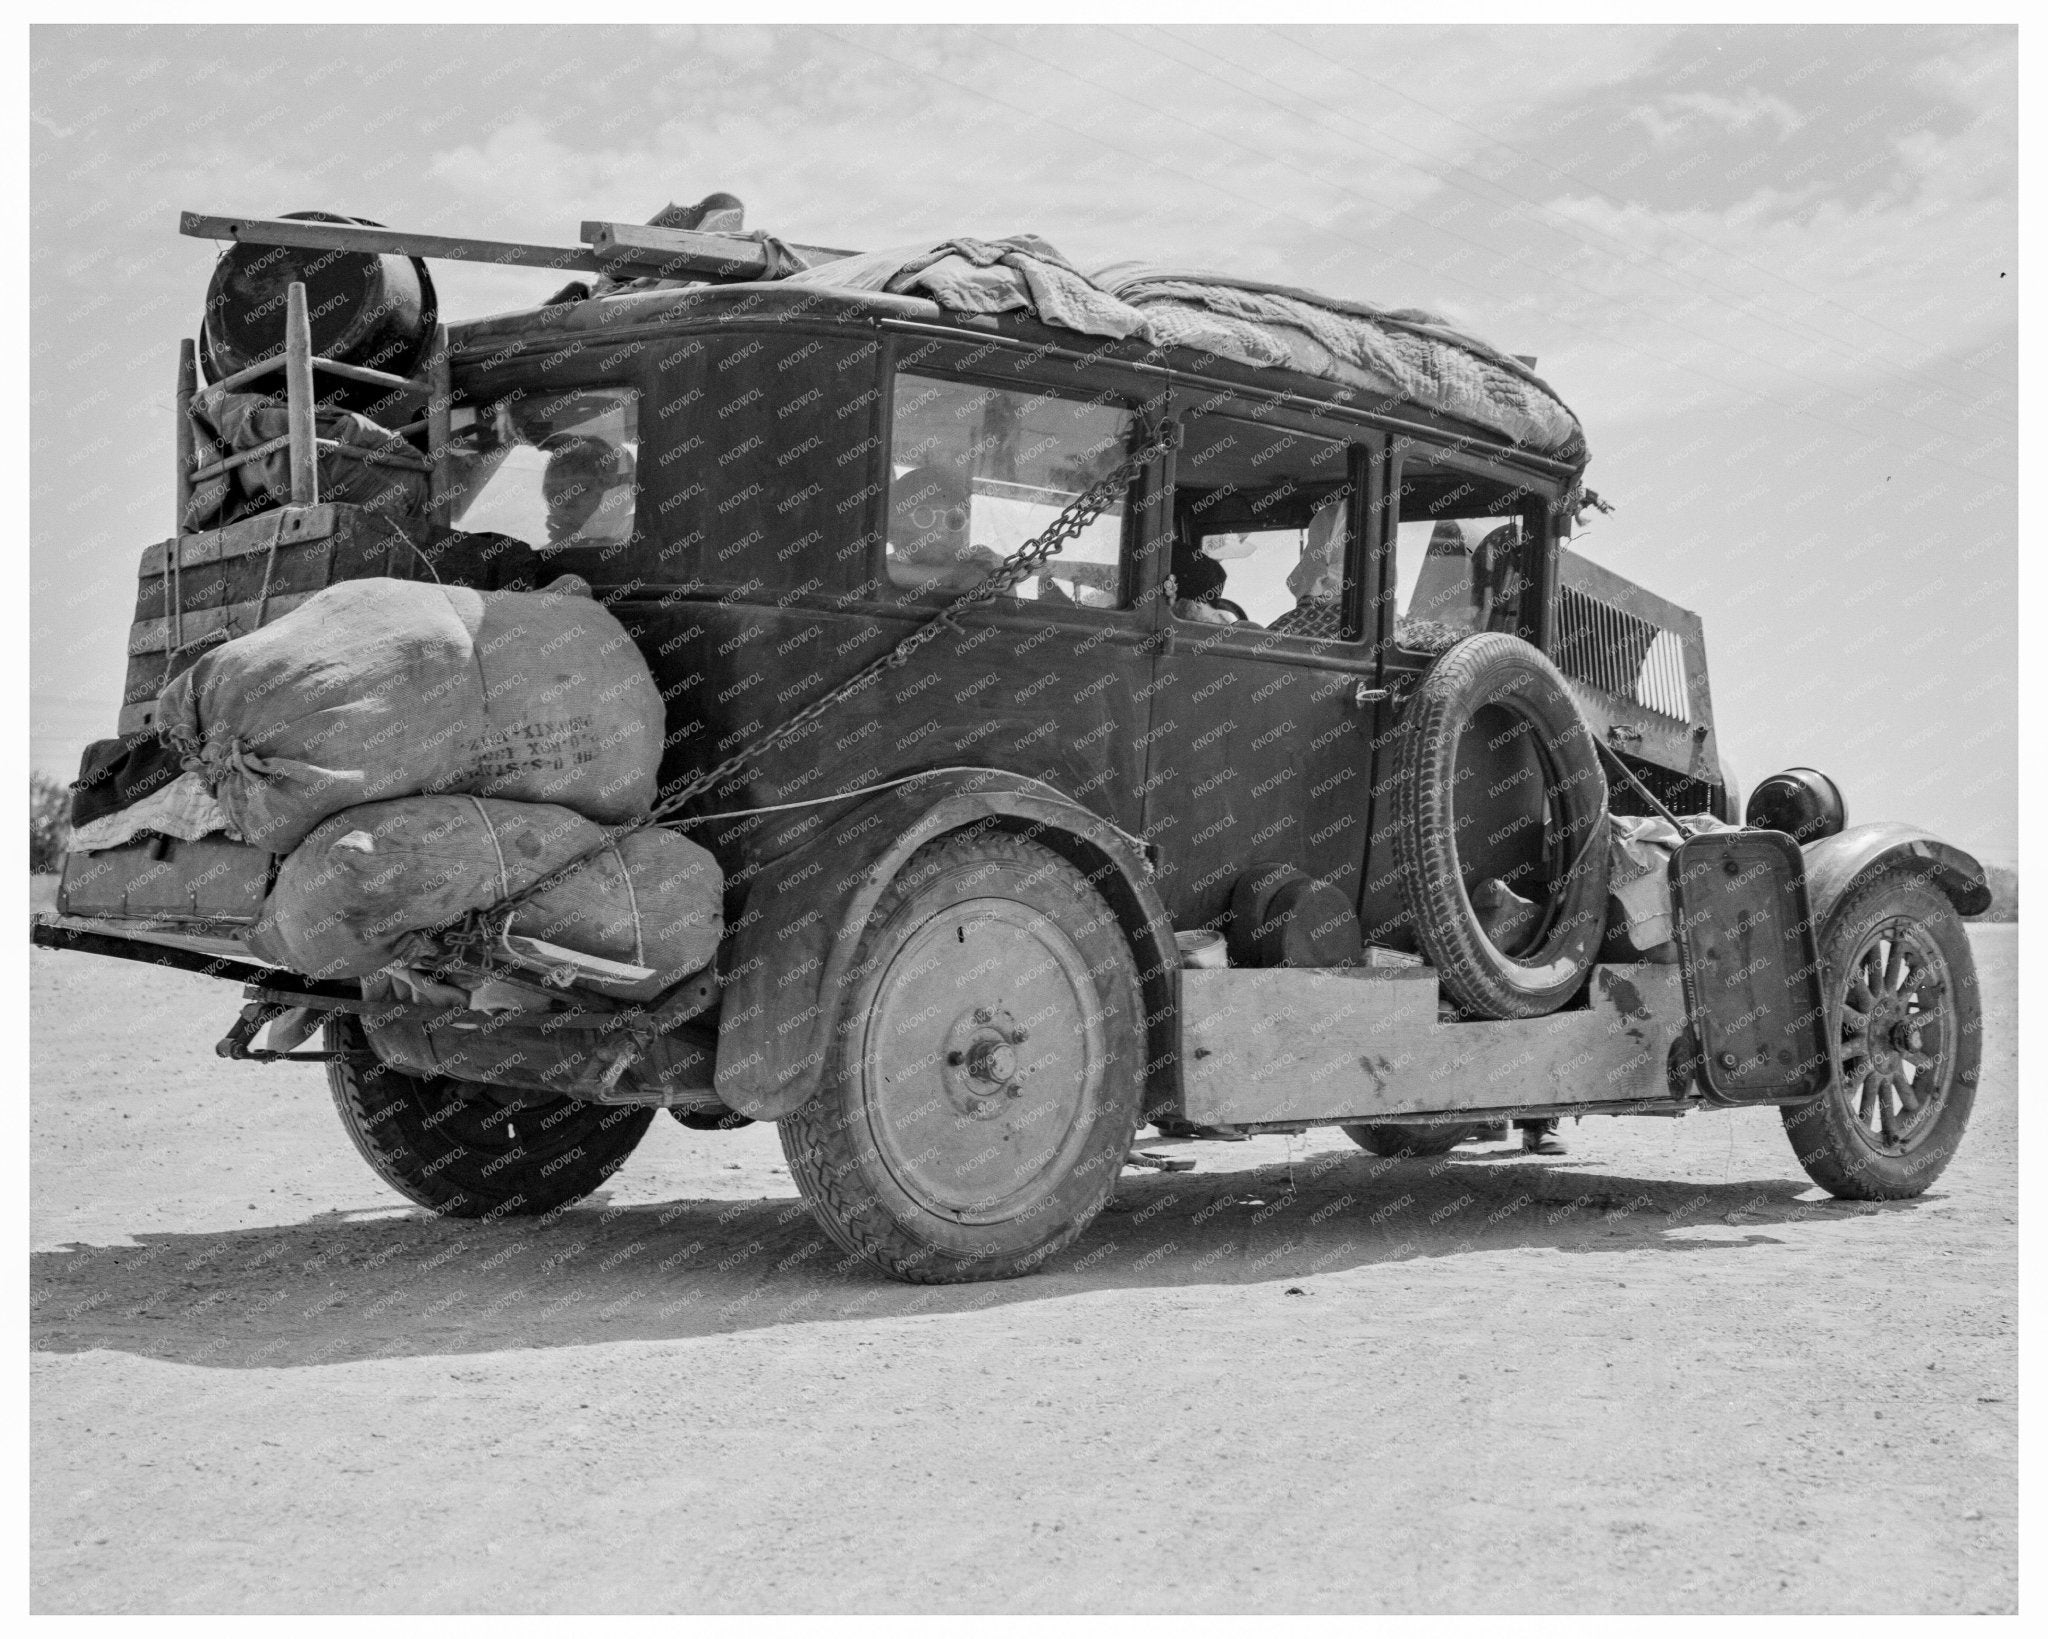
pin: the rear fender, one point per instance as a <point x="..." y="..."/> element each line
<point x="786" y="961"/>
<point x="1836" y="864"/>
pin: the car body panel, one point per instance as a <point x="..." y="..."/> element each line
<point x="786" y="957"/>
<point x="1836" y="864"/>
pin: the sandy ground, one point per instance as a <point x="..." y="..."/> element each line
<point x="1662" y="1374"/>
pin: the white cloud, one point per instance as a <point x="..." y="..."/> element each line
<point x="1676" y="116"/>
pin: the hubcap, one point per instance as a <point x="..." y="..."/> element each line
<point x="984" y="1055"/>
<point x="1898" y="1036"/>
<point x="983" y="1067"/>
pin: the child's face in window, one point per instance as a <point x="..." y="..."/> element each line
<point x="928" y="517"/>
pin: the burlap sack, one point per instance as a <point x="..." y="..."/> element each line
<point x="348" y="895"/>
<point x="377" y="688"/>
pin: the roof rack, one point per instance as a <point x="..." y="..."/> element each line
<point x="622" y="249"/>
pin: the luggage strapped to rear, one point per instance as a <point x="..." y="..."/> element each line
<point x="479" y="934"/>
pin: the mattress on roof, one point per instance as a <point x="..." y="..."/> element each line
<point x="1400" y="355"/>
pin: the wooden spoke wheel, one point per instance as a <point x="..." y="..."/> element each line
<point x="987" y="1071"/>
<point x="1903" y="992"/>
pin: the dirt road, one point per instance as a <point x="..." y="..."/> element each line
<point x="1662" y="1373"/>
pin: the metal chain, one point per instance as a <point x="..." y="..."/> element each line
<point x="481" y="929"/>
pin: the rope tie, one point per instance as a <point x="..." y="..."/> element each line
<point x="214" y="760"/>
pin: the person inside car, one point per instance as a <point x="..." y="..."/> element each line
<point x="1198" y="582"/>
<point x="929" y="549"/>
<point x="1317" y="580"/>
<point x="588" y="488"/>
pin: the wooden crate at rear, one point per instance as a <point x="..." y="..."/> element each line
<point x="226" y="582"/>
<point x="210" y="882"/>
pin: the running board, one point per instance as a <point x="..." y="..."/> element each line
<point x="1305" y="1044"/>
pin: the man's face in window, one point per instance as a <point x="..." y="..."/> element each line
<point x="580" y="472"/>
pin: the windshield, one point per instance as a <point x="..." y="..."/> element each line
<point x="1462" y="554"/>
<point x="1458" y="572"/>
<point x="554" y="470"/>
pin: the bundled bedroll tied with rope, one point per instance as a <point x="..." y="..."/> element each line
<point x="348" y="899"/>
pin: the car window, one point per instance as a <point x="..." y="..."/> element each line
<point x="555" y="470"/>
<point x="976" y="471"/>
<point x="1460" y="556"/>
<point x="1263" y="532"/>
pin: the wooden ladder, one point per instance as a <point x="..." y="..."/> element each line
<point x="301" y="437"/>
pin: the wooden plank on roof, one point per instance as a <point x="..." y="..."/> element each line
<point x="387" y="241"/>
<point x="682" y="253"/>
<point x="613" y="247"/>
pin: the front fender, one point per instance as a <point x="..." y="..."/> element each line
<point x="1836" y="864"/>
<point x="786" y="961"/>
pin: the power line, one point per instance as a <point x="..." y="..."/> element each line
<point x="1647" y="313"/>
<point x="1591" y="187"/>
<point x="1661" y="360"/>
<point x="1562" y="222"/>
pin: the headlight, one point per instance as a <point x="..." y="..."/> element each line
<point x="1802" y="802"/>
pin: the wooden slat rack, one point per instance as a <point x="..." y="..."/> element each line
<point x="622" y="249"/>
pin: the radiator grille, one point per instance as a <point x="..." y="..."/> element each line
<point x="1621" y="653"/>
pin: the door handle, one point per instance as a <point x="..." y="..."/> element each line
<point x="1367" y="695"/>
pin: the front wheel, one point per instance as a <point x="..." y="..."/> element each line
<point x="465" y="1150"/>
<point x="987" y="1067"/>
<point x="1902" y="999"/>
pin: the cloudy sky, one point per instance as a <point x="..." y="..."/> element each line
<point x="1773" y="270"/>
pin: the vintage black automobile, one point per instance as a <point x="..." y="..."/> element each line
<point x="1313" y="667"/>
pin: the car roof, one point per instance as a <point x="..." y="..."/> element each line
<point x="645" y="313"/>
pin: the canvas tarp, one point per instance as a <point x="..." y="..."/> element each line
<point x="1400" y="354"/>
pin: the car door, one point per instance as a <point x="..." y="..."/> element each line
<point x="1052" y="680"/>
<point x="1260" y="736"/>
<point x="1463" y="549"/>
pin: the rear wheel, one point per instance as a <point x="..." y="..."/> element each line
<point x="987" y="1071"/>
<point x="1902" y="999"/>
<point x="470" y="1151"/>
<point x="1395" y="1139"/>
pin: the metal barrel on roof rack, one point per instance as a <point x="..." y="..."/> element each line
<point x="374" y="311"/>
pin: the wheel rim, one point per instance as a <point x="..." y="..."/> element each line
<point x="983" y="1058"/>
<point x="1898" y="1035"/>
<point x="1493" y="720"/>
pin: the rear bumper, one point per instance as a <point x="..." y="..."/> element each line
<point x="188" y="949"/>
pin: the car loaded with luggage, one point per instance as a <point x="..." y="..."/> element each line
<point x="964" y="709"/>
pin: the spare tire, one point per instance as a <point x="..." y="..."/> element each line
<point x="1499" y="783"/>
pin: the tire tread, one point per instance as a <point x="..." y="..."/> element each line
<point x="821" y="1151"/>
